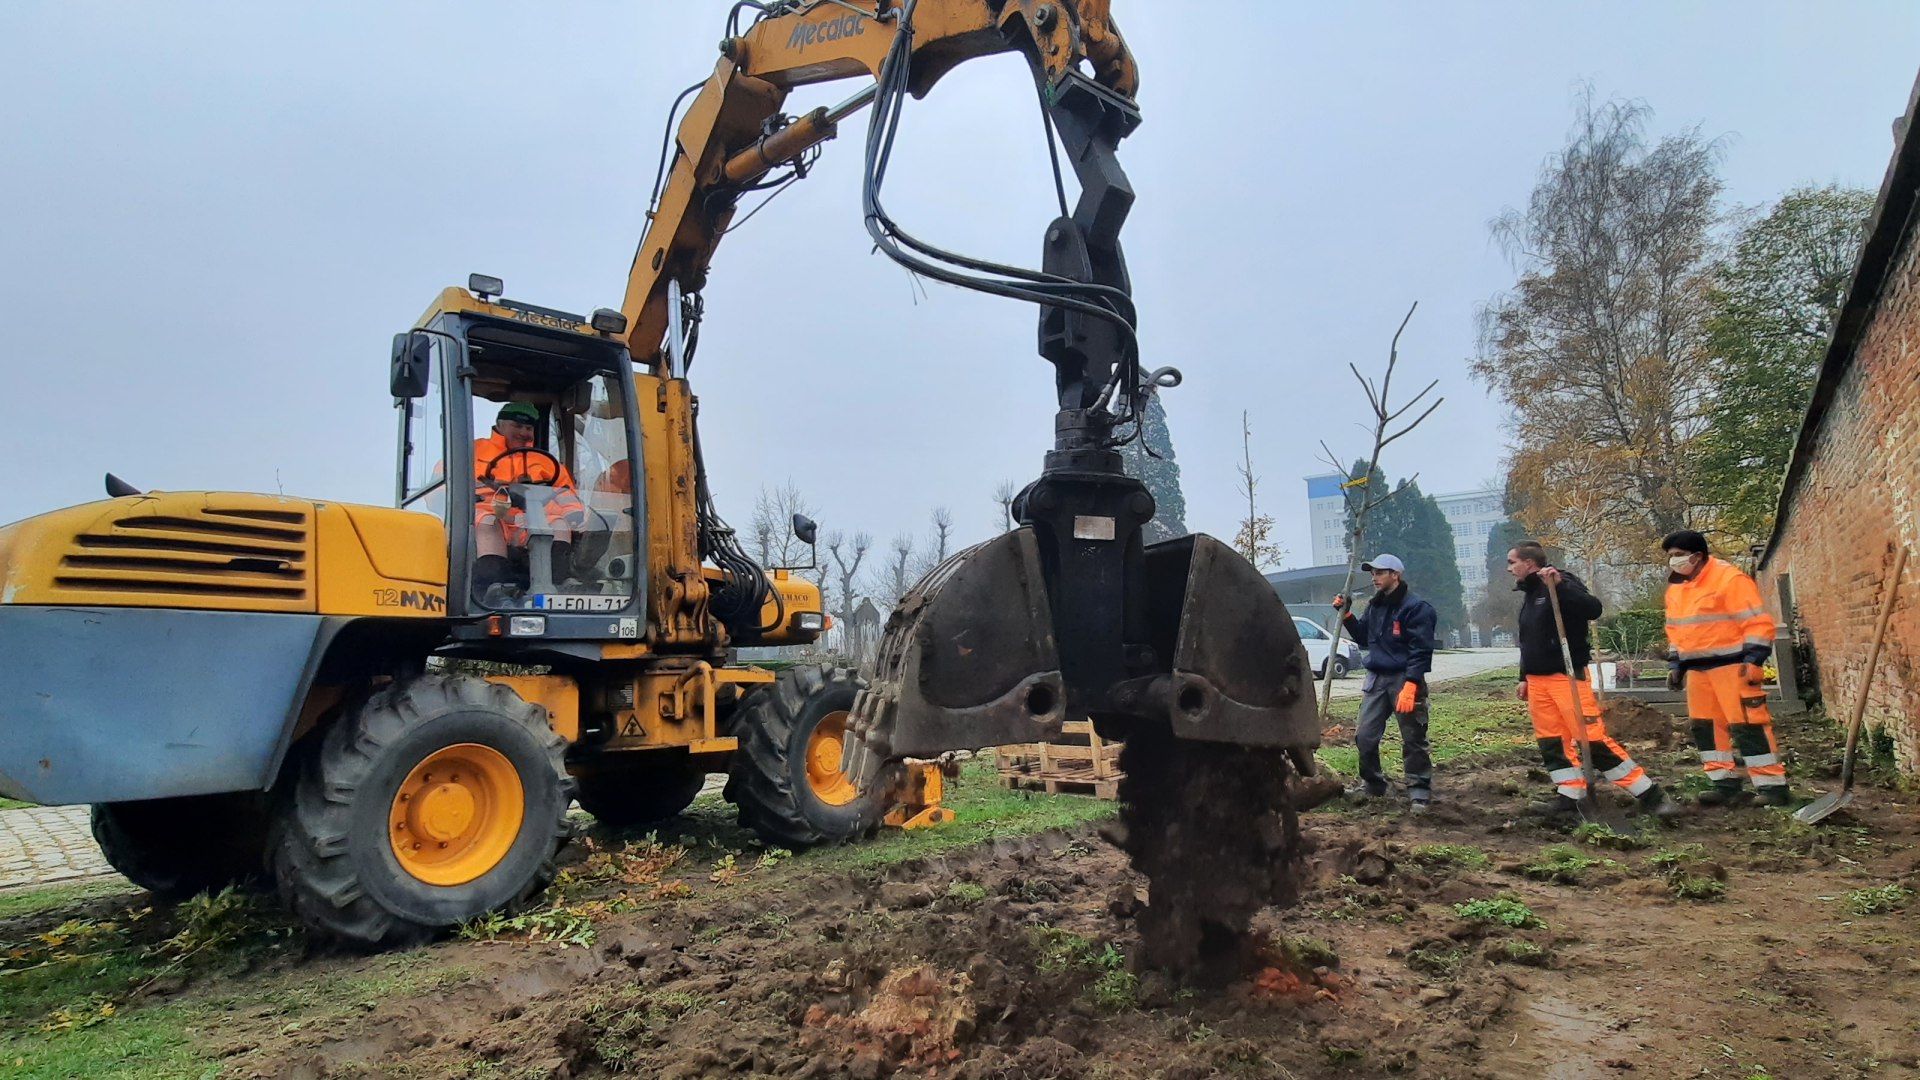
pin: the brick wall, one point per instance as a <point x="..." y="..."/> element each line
<point x="1857" y="501"/>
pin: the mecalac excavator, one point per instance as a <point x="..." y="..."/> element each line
<point x="243" y="681"/>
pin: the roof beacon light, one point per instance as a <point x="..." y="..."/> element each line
<point x="485" y="286"/>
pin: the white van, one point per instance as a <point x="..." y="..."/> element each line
<point x="1319" y="642"/>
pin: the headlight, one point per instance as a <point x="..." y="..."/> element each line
<point x="527" y="626"/>
<point x="811" y="622"/>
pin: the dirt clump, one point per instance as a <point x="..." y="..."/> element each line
<point x="1214" y="830"/>
<point x="1628" y="720"/>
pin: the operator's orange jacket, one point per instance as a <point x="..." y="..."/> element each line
<point x="1716" y="619"/>
<point x="535" y="467"/>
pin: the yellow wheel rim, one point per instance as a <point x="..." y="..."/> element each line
<point x="824" y="777"/>
<point x="456" y="814"/>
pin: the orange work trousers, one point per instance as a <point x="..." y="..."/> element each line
<point x="1727" y="714"/>
<point x="1550" y="705"/>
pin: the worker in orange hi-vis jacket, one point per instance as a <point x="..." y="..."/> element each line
<point x="1718" y="636"/>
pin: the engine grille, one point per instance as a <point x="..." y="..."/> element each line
<point x="210" y="551"/>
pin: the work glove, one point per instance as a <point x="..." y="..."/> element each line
<point x="1342" y="604"/>
<point x="1409" y="696"/>
<point x="1676" y="679"/>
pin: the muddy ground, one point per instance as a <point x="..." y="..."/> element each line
<point x="1732" y="944"/>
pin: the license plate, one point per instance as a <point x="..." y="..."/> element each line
<point x="547" y="602"/>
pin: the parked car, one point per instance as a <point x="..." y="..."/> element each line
<point x="1319" y="643"/>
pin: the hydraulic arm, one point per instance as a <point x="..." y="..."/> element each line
<point x="1174" y="646"/>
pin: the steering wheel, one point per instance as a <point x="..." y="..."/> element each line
<point x="491" y="478"/>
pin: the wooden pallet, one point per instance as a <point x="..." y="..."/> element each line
<point x="1086" y="764"/>
<point x="1062" y="785"/>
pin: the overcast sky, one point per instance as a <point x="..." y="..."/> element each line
<point x="213" y="218"/>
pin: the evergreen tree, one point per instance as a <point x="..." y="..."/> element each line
<point x="1411" y="525"/>
<point x="1159" y="472"/>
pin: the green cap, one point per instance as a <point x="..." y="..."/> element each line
<point x="523" y="411"/>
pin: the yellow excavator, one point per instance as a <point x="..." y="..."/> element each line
<point x="390" y="709"/>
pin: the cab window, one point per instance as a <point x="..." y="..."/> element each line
<point x="423" y="435"/>
<point x="552" y="503"/>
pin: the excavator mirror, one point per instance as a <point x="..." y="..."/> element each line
<point x="411" y="356"/>
<point x="805" y="529"/>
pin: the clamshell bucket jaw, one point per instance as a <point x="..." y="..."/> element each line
<point x="972" y="656"/>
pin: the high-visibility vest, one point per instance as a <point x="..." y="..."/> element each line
<point x="537" y="467"/>
<point x="1716" y="618"/>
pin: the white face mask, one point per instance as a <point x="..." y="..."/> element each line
<point x="1681" y="564"/>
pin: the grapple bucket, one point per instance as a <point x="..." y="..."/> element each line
<point x="1184" y="637"/>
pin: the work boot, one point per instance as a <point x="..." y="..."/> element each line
<point x="1558" y="806"/>
<point x="1419" y="802"/>
<point x="488" y="571"/>
<point x="1656" y="802"/>
<point x="1723" y="793"/>
<point x="1774" y="795"/>
<point x="1360" y="793"/>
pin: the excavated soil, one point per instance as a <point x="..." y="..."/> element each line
<point x="1024" y="960"/>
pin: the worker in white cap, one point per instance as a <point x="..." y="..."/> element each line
<point x="1397" y="632"/>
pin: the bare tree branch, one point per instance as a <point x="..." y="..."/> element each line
<point x="1384" y="415"/>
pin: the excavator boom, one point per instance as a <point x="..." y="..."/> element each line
<point x="1180" y="648"/>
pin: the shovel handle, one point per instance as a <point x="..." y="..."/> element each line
<point x="1866" y="677"/>
<point x="1573" y="687"/>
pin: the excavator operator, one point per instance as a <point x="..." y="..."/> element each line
<point x="501" y="460"/>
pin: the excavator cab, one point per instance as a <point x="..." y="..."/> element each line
<point x="518" y="430"/>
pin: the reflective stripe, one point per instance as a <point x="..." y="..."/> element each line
<point x="1639" y="787"/>
<point x="1769" y="779"/>
<point x="1717" y="755"/>
<point x="1572" y="791"/>
<point x="1714" y="653"/>
<point x="1759" y="760"/>
<point x="1691" y="620"/>
<point x="1620" y="770"/>
<point x="1561" y="776"/>
<point x="1757" y="639"/>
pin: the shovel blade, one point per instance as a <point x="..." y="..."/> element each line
<point x="1596" y="810"/>
<point x="1822" y="807"/>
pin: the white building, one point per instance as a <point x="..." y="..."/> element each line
<point x="1327" y="519"/>
<point x="1471" y="514"/>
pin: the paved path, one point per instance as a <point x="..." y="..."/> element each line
<point x="1454" y="664"/>
<point x="40" y="845"/>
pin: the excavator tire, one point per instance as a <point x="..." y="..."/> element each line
<point x="434" y="800"/>
<point x="641" y="794"/>
<point x="786" y="777"/>
<point x="174" y="848"/>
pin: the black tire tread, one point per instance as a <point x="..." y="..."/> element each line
<point x="308" y="847"/>
<point x="639" y="795"/>
<point x="175" y="848"/>
<point x="763" y="780"/>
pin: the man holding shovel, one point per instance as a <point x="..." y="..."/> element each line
<point x="1548" y="688"/>
<point x="1718" y="635"/>
<point x="1397" y="632"/>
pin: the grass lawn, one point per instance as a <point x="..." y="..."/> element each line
<point x="1467" y="716"/>
<point x="14" y="804"/>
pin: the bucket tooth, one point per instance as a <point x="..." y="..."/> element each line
<point x="1238" y="672"/>
<point x="967" y="660"/>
